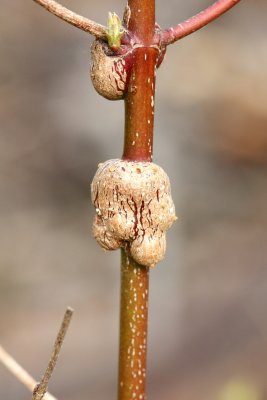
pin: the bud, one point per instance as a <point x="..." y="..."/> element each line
<point x="115" y="31"/>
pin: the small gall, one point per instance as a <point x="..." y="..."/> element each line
<point x="109" y="72"/>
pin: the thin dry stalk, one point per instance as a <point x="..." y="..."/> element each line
<point x="23" y="376"/>
<point x="41" y="388"/>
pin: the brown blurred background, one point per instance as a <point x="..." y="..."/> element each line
<point x="208" y="299"/>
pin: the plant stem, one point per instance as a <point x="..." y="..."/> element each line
<point x="142" y="20"/>
<point x="147" y="44"/>
<point x="139" y="100"/>
<point x="138" y="145"/>
<point x="147" y="14"/>
<point x="133" y="329"/>
<point x="139" y="107"/>
<point x="41" y="387"/>
<point x="196" y="22"/>
<point x="74" y="19"/>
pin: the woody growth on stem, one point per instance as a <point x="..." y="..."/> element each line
<point x="132" y="196"/>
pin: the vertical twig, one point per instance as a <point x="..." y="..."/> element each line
<point x="139" y="101"/>
<point x="133" y="329"/>
<point x="138" y="142"/>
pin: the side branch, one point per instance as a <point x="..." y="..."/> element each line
<point x="191" y="25"/>
<point x="69" y="16"/>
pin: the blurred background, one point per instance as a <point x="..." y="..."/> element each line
<point x="208" y="319"/>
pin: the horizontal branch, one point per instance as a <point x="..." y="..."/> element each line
<point x="74" y="19"/>
<point x="191" y="25"/>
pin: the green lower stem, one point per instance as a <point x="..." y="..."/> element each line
<point x="133" y="329"/>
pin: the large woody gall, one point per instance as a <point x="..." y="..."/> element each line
<point x="134" y="209"/>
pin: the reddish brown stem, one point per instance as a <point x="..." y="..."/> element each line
<point x="138" y="142"/>
<point x="133" y="328"/>
<point x="139" y="100"/>
<point x="139" y="106"/>
<point x="142" y="20"/>
<point x="191" y="25"/>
